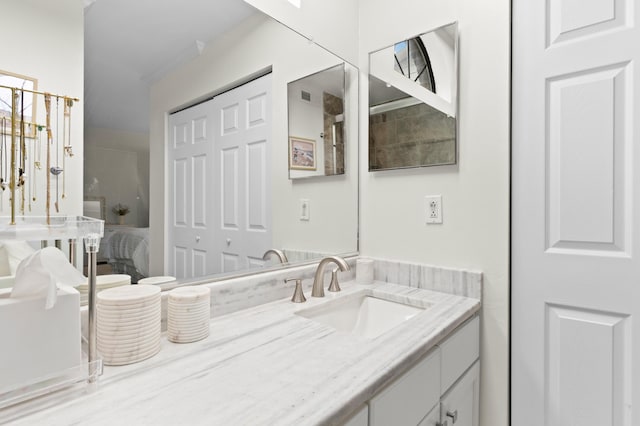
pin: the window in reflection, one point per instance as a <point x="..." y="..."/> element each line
<point x="412" y="61"/>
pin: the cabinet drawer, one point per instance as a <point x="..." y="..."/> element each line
<point x="460" y="351"/>
<point x="408" y="400"/>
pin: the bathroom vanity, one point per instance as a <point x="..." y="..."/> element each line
<point x="275" y="364"/>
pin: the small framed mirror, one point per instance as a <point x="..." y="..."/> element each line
<point x="413" y="101"/>
<point x="316" y="106"/>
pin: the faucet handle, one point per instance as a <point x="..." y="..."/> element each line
<point x="298" y="294"/>
<point x="334" y="286"/>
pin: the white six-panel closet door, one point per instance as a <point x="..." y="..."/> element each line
<point x="575" y="213"/>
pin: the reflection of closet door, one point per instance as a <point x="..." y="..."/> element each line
<point x="190" y="164"/>
<point x="242" y="156"/>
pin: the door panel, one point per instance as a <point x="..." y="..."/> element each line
<point x="199" y="262"/>
<point x="256" y="188"/>
<point x="200" y="130"/>
<point x="242" y="145"/>
<point x="191" y="156"/>
<point x="586" y="130"/>
<point x="229" y="185"/>
<point x="572" y="19"/>
<point x="230" y="119"/>
<point x="257" y="110"/>
<point x="230" y="262"/>
<point x="574" y="281"/>
<point x="588" y="365"/>
<point x="200" y="191"/>
<point x="180" y="261"/>
<point x="181" y="190"/>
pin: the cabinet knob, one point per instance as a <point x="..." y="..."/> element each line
<point x="453" y="415"/>
<point x="228" y="241"/>
<point x="197" y="238"/>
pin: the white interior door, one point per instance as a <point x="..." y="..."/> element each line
<point x="190" y="164"/>
<point x="575" y="260"/>
<point x="243" y="190"/>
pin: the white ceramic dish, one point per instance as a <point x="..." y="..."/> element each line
<point x="129" y="344"/>
<point x="146" y="307"/>
<point x="197" y="339"/>
<point x="125" y="313"/>
<point x="190" y="293"/>
<point x="184" y="338"/>
<point x="188" y="329"/>
<point x="129" y="332"/>
<point x="156" y="280"/>
<point x="125" y="320"/>
<point x="115" y="332"/>
<point x="128" y="294"/>
<point x="188" y="307"/>
<point x="117" y="347"/>
<point x="137" y="305"/>
<point x="188" y="323"/>
<point x="204" y="313"/>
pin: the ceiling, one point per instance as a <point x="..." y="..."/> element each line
<point x="131" y="44"/>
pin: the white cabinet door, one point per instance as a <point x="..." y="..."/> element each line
<point x="459" y="407"/>
<point x="459" y="351"/>
<point x="433" y="418"/>
<point x="410" y="398"/>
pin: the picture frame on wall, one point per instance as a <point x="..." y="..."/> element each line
<point x="302" y="153"/>
<point x="26" y="103"/>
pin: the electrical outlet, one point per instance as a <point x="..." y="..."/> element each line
<point x="433" y="208"/>
<point x="304" y="209"/>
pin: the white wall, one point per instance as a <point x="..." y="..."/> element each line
<point x="329" y="23"/>
<point x="257" y="44"/>
<point x="117" y="168"/>
<point x="44" y="40"/>
<point x="475" y="232"/>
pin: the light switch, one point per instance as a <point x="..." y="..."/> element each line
<point x="304" y="209"/>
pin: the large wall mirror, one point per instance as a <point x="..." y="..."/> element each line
<point x="300" y="216"/>
<point x="413" y="101"/>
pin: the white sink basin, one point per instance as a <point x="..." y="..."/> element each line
<point x="365" y="315"/>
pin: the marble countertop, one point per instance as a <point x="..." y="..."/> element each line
<point x="264" y="365"/>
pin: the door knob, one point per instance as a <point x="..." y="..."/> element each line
<point x="453" y="415"/>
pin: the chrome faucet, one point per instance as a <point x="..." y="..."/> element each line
<point x="279" y="253"/>
<point x="318" y="284"/>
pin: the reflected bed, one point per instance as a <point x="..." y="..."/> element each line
<point x="126" y="249"/>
